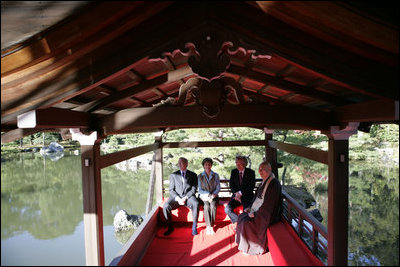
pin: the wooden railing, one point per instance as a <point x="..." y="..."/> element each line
<point x="309" y="229"/>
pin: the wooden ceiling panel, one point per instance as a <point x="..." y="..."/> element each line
<point x="98" y="93"/>
<point x="301" y="77"/>
<point x="147" y="94"/>
<point x="170" y="88"/>
<point x="150" y="69"/>
<point x="333" y="88"/>
<point x="232" y="75"/>
<point x="270" y="66"/>
<point x="127" y="103"/>
<point x="238" y="62"/>
<point x="276" y="92"/>
<point x="107" y="69"/>
<point x="251" y="84"/>
<point x="122" y="82"/>
<point x="299" y="100"/>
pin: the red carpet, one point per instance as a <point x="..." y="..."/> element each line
<point x="181" y="248"/>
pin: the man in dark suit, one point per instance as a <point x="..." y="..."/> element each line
<point x="241" y="183"/>
<point x="182" y="189"/>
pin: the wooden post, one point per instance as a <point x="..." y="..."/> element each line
<point x="338" y="193"/>
<point x="270" y="153"/>
<point x="150" y="194"/>
<point x="92" y="197"/>
<point x="155" y="182"/>
<point x="159" y="170"/>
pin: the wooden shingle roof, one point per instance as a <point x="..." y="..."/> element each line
<point x="120" y="67"/>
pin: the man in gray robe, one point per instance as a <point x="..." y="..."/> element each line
<point x="251" y="230"/>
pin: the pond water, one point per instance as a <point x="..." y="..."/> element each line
<point x="42" y="210"/>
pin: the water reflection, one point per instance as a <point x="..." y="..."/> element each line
<point x="124" y="236"/>
<point x="44" y="198"/>
<point x="40" y="196"/>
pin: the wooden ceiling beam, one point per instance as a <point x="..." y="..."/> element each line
<point x="18" y="134"/>
<point x="230" y="116"/>
<point x="55" y="118"/>
<point x="145" y="85"/>
<point x="379" y="110"/>
<point x="214" y="143"/>
<point x="262" y="97"/>
<point x="159" y="92"/>
<point x="286" y="85"/>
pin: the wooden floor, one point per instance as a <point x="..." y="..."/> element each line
<point x="148" y="246"/>
<point x="181" y="248"/>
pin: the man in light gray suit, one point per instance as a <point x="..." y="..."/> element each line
<point x="182" y="190"/>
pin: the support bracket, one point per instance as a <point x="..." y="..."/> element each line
<point x="82" y="138"/>
<point x="337" y="133"/>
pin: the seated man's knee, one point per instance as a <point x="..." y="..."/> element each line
<point x="194" y="203"/>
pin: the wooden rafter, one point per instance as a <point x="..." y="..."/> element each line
<point x="55" y="118"/>
<point x="146" y="85"/>
<point x="286" y="85"/>
<point x="230" y="116"/>
<point x="379" y="110"/>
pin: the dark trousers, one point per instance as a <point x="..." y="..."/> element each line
<point x="210" y="210"/>
<point x="233" y="203"/>
<point x="171" y="204"/>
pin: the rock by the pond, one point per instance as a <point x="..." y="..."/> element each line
<point x="123" y="236"/>
<point x="54" y="147"/>
<point x="317" y="215"/>
<point x="123" y="221"/>
<point x="301" y="195"/>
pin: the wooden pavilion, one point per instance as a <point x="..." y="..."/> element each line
<point x="131" y="67"/>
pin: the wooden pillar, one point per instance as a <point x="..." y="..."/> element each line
<point x="92" y="197"/>
<point x="270" y="153"/>
<point x="159" y="170"/>
<point x="150" y="193"/>
<point x="338" y="194"/>
<point x="155" y="182"/>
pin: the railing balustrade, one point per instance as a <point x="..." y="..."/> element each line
<point x="308" y="228"/>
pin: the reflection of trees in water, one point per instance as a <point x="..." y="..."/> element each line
<point x="123" y="190"/>
<point x="374" y="215"/>
<point x="123" y="236"/>
<point x="45" y="198"/>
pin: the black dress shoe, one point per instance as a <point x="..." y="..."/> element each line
<point x="169" y="231"/>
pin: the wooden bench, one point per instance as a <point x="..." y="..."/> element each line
<point x="184" y="214"/>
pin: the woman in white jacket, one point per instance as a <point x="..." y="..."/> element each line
<point x="209" y="186"/>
